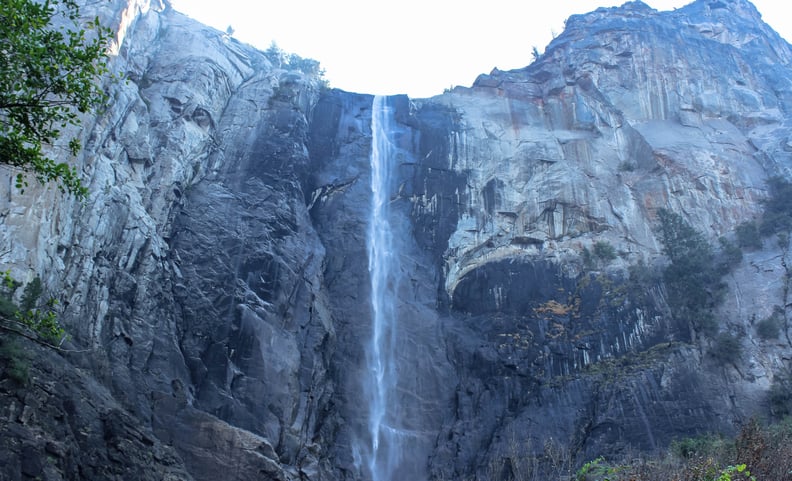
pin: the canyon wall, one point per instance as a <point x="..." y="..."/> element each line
<point x="215" y="282"/>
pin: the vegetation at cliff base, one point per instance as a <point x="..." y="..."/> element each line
<point x="50" y="63"/>
<point x="756" y="453"/>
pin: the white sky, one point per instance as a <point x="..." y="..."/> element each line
<point x="417" y="47"/>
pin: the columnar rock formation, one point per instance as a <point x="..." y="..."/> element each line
<point x="215" y="282"/>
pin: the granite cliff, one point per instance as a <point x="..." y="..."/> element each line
<point x="215" y="283"/>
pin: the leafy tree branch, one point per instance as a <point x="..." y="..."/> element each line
<point x="33" y="317"/>
<point x="50" y="64"/>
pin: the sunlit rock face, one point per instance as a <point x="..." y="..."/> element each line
<point x="628" y="111"/>
<point x="192" y="274"/>
<point x="217" y="276"/>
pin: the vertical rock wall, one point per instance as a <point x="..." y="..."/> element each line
<point x="217" y="281"/>
<point x="191" y="279"/>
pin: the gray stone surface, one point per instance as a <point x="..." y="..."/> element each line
<point x="217" y="274"/>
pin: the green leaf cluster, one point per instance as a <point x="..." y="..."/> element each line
<point x="602" y="252"/>
<point x="32" y="313"/>
<point x="739" y="471"/>
<point x="16" y="363"/>
<point x="692" y="276"/>
<point x="748" y="235"/>
<point x="49" y="66"/>
<point x="595" y="470"/>
<point x="777" y="215"/>
<point x="726" y="348"/>
<point x="779" y="396"/>
<point x="308" y="66"/>
<point x="757" y="452"/>
<point x="770" y="327"/>
<point x="696" y="447"/>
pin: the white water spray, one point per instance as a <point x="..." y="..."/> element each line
<point x="384" y="453"/>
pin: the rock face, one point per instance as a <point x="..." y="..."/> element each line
<point x="193" y="274"/>
<point x="216" y="281"/>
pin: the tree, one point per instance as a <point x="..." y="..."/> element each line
<point x="691" y="277"/>
<point x="748" y="235"/>
<point x="777" y="216"/>
<point x="49" y="67"/>
<point x="276" y="55"/>
<point x="34" y="317"/>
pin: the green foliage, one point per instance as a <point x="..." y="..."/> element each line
<point x="642" y="279"/>
<point x="626" y="166"/>
<point x="692" y="277"/>
<point x="44" y="322"/>
<point x="770" y="327"/>
<point x="783" y="240"/>
<point x="729" y="256"/>
<point x="49" y="66"/>
<point x="33" y="312"/>
<point x="777" y="216"/>
<point x="308" y="66"/>
<point x="275" y="54"/>
<point x="748" y="236"/>
<point x="588" y="259"/>
<point x="595" y="470"/>
<point x="708" y="470"/>
<point x="15" y="361"/>
<point x="726" y="348"/>
<point x="7" y="307"/>
<point x="8" y="286"/>
<point x="684" y="246"/>
<point x="779" y="396"/>
<point x="601" y="253"/>
<point x="696" y="447"/>
<point x="756" y="453"/>
<point x="767" y="451"/>
<point x="731" y="473"/>
<point x="31" y="295"/>
<point x="604" y="250"/>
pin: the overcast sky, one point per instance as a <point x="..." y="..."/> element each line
<point x="417" y="47"/>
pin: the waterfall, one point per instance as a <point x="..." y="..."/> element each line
<point x="384" y="452"/>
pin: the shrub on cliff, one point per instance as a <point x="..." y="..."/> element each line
<point x="770" y="327"/>
<point x="726" y="348"/>
<point x="602" y="253"/>
<point x="692" y="277"/>
<point x="15" y="361"/>
<point x="604" y="250"/>
<point x="779" y="396"/>
<point x="49" y="67"/>
<point x="777" y="216"/>
<point x="748" y="236"/>
<point x="308" y="66"/>
<point x="34" y="317"/>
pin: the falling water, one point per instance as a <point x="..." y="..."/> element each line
<point x="383" y="454"/>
